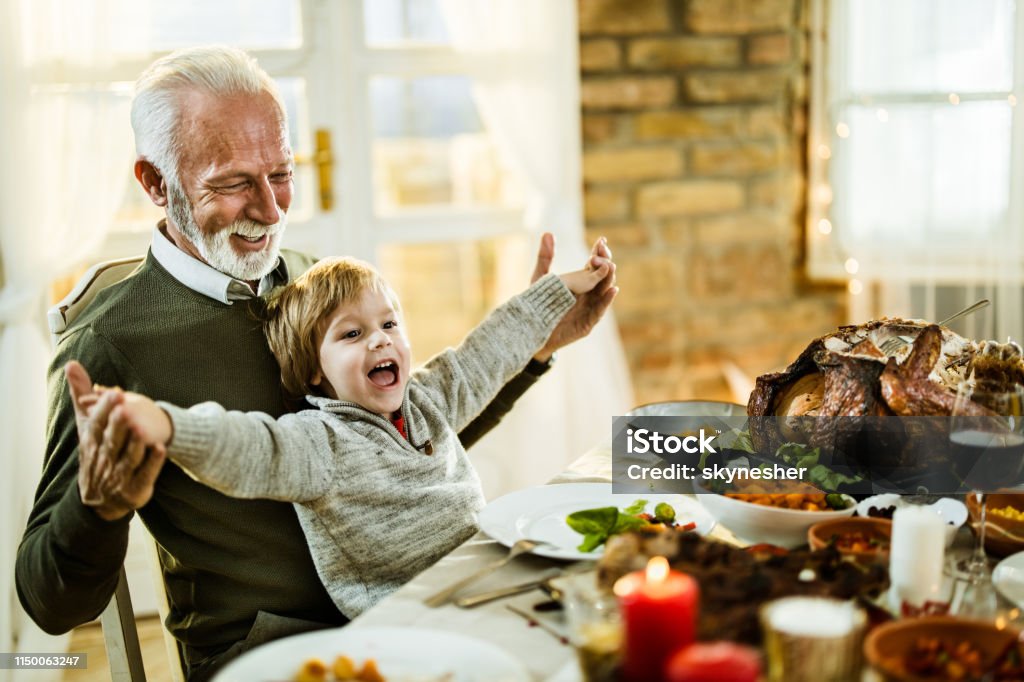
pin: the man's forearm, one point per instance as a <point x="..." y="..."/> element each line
<point x="502" y="403"/>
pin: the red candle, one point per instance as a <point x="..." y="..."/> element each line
<point x="714" y="662"/>
<point x="659" y="611"/>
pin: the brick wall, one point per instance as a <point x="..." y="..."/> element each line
<point x="694" y="117"/>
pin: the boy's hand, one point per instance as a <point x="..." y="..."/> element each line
<point x="116" y="470"/>
<point x="590" y="306"/>
<point x="582" y="281"/>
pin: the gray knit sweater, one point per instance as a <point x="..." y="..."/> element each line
<point x="376" y="508"/>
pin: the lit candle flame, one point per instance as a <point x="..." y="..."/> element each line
<point x="657" y="570"/>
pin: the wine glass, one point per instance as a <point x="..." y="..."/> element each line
<point x="987" y="438"/>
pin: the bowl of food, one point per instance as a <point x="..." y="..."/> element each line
<point x="1004" y="522"/>
<point x="864" y="540"/>
<point x="943" y="648"/>
<point x="774" y="518"/>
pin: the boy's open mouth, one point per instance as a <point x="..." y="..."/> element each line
<point x="384" y="374"/>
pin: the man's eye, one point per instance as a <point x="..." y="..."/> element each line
<point x="281" y="177"/>
<point x="235" y="187"/>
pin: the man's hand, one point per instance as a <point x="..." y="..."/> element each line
<point x="590" y="306"/>
<point x="116" y="471"/>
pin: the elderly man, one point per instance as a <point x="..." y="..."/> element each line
<point x="213" y="151"/>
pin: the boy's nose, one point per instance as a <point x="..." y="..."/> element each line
<point x="379" y="340"/>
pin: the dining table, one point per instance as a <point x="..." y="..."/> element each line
<point x="537" y="640"/>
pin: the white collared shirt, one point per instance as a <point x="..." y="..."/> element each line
<point x="204" y="279"/>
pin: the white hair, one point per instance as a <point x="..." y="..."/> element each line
<point x="156" y="107"/>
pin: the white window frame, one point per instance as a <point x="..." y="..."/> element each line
<point x="363" y="230"/>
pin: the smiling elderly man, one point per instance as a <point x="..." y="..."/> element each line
<point x="213" y="151"/>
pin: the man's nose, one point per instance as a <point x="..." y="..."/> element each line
<point x="378" y="339"/>
<point x="263" y="206"/>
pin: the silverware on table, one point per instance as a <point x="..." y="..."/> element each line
<point x="558" y="634"/>
<point x="523" y="546"/>
<point x="502" y="592"/>
<point x="894" y="343"/>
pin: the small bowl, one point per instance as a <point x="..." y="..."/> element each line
<point x="953" y="512"/>
<point x="820" y="535"/>
<point x="1003" y="536"/>
<point x="756" y="523"/>
<point x="888" y="644"/>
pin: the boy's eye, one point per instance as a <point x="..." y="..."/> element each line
<point x="391" y="324"/>
<point x="351" y="334"/>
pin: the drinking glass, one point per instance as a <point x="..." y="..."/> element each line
<point x="987" y="439"/>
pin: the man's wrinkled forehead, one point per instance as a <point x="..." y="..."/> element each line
<point x="217" y="122"/>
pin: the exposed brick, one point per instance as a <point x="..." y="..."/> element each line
<point x="689" y="197"/>
<point x="781" y="190"/>
<point x="742" y="227"/>
<point x="738" y="16"/>
<point x="736" y="86"/>
<point x="695" y="122"/>
<point x="647" y="332"/>
<point x="600" y="55"/>
<point x="619" y="235"/>
<point x="648" y="283"/>
<point x="600" y="127"/>
<point x="623" y="17"/>
<point x="605" y="204"/>
<point x="638" y="163"/>
<point x="740" y="271"/>
<point x="741" y="158"/>
<point x="628" y="92"/>
<point x="673" y="53"/>
<point x="775" y="48"/>
<point x="766" y="121"/>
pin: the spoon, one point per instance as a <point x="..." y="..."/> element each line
<point x="523" y="546"/>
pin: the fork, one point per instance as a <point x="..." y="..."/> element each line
<point x="523" y="546"/>
<point x="894" y="343"/>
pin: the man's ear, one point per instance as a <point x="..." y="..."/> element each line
<point x="152" y="181"/>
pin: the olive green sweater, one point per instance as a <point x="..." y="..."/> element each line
<point x="228" y="563"/>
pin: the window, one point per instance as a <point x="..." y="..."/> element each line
<point x="415" y="175"/>
<point x="916" y="154"/>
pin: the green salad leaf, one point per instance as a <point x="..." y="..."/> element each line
<point x="597" y="525"/>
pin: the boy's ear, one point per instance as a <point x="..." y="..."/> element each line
<point x="317" y="378"/>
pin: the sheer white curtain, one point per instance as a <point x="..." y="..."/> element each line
<point x="527" y="89"/>
<point x="63" y="172"/>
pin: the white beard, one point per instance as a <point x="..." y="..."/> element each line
<point x="216" y="249"/>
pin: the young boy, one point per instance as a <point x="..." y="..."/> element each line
<point x="381" y="484"/>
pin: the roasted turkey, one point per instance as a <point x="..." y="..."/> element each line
<point x="845" y="374"/>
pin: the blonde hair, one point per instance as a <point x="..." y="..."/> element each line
<point x="296" y="316"/>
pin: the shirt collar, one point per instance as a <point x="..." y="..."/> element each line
<point x="204" y="279"/>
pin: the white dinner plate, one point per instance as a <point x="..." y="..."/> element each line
<point x="539" y="514"/>
<point x="403" y="654"/>
<point x="1008" y="577"/>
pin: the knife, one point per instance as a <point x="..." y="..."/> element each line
<point x="491" y="595"/>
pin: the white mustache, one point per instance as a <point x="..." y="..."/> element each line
<point x="253" y="229"/>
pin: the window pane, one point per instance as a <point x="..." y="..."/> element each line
<point x="430" y="147"/>
<point x="447" y="289"/>
<point x="142" y="27"/>
<point x="924" y="172"/>
<point x="393" y="23"/>
<point x="926" y="45"/>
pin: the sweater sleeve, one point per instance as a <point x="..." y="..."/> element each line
<point x="69" y="558"/>
<point x="251" y="454"/>
<point x="463" y="380"/>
